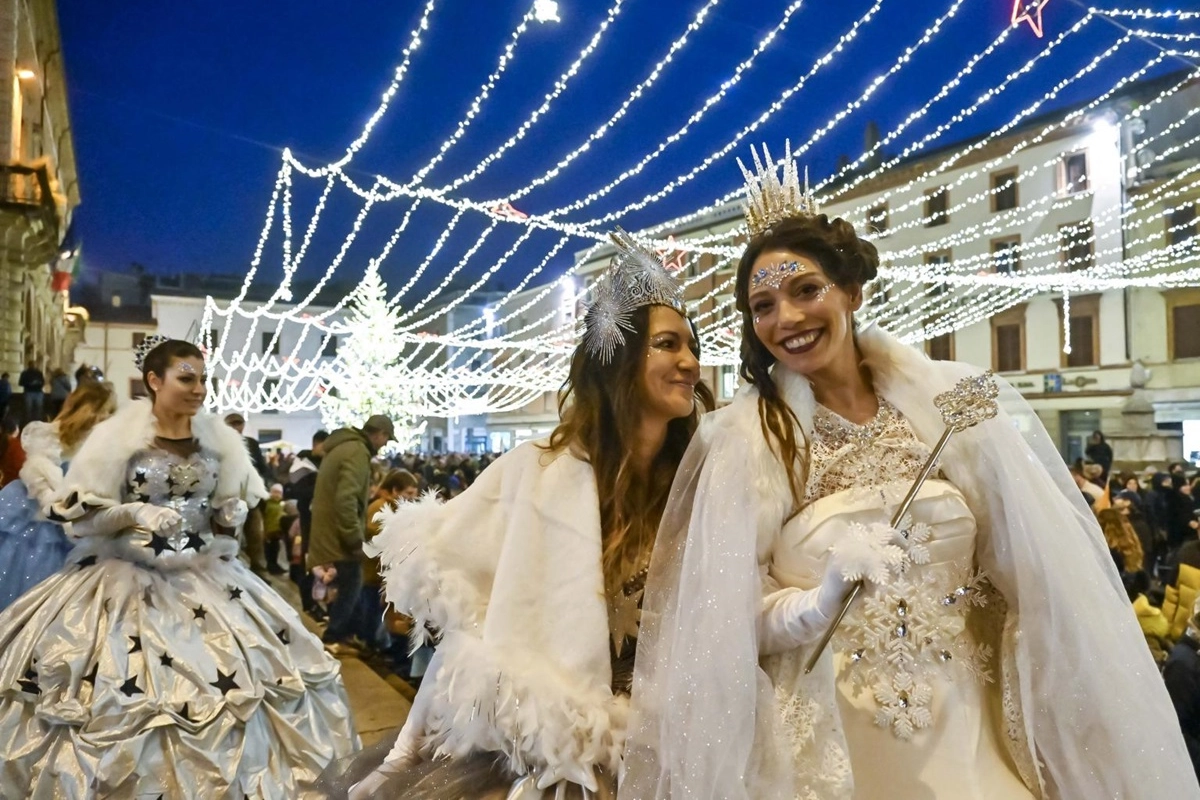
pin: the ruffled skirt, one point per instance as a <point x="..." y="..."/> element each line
<point x="31" y="549"/>
<point x="118" y="680"/>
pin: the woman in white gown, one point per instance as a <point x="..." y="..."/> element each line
<point x="155" y="664"/>
<point x="992" y="654"/>
<point x="532" y="577"/>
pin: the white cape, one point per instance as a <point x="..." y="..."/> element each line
<point x="1096" y="714"/>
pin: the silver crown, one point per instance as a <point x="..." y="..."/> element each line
<point x="771" y="198"/>
<point x="636" y="278"/>
<point x="142" y="350"/>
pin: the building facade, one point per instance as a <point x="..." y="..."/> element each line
<point x="40" y="191"/>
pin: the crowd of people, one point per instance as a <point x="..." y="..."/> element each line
<point x="781" y="598"/>
<point x="1151" y="524"/>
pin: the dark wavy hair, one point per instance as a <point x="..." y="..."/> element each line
<point x="848" y="261"/>
<point x="600" y="408"/>
<point x="161" y="357"/>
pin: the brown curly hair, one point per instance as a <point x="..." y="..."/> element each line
<point x="600" y="409"/>
<point x="846" y="259"/>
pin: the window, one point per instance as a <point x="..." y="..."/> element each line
<point x="937" y="206"/>
<point x="1075" y="245"/>
<point x="1073" y="173"/>
<point x="270" y="344"/>
<point x="1183" y="323"/>
<point x="214" y="338"/>
<point x="941" y="348"/>
<point x="268" y="435"/>
<point x="331" y="347"/>
<point x="271" y="390"/>
<point x="1181" y="224"/>
<point x="137" y="389"/>
<point x="1008" y="340"/>
<point x="877" y="219"/>
<point x="1004" y="190"/>
<point x="1084" y="331"/>
<point x="932" y="259"/>
<point x="729" y="382"/>
<point x="138" y="338"/>
<point x="1006" y="255"/>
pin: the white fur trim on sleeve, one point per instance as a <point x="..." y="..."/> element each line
<point x="511" y="703"/>
<point x="418" y="582"/>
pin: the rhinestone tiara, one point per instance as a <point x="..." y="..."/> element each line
<point x="142" y="350"/>
<point x="636" y="278"/>
<point x="771" y="198"/>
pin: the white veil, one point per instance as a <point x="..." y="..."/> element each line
<point x="1095" y="709"/>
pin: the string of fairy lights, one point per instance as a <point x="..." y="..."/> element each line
<point x="428" y="340"/>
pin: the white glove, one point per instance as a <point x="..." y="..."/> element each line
<point x="794" y="617"/>
<point x="580" y="774"/>
<point x="106" y="521"/>
<point x="158" y="519"/>
<point x="231" y="513"/>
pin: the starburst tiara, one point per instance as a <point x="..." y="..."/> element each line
<point x="636" y="278"/>
<point x="142" y="350"/>
<point x="771" y="198"/>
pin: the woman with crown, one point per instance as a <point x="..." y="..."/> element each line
<point x="32" y="546"/>
<point x="154" y="664"/>
<point x="987" y="649"/>
<point x="532" y="577"/>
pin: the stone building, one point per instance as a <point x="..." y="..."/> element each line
<point x="39" y="191"/>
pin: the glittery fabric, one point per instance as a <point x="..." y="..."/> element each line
<point x="31" y="548"/>
<point x="160" y="666"/>
<point x="915" y="684"/>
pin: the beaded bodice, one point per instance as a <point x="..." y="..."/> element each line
<point x="182" y="479"/>
<point x="849" y="456"/>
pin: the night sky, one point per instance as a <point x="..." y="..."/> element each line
<point x="180" y="110"/>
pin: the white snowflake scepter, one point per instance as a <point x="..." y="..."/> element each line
<point x="970" y="402"/>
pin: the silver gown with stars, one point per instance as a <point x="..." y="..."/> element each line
<point x="161" y="666"/>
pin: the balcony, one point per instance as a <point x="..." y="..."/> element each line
<point x="27" y="203"/>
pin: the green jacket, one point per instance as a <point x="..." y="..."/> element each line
<point x="339" y="506"/>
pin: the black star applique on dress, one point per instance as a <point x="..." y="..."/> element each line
<point x="200" y="612"/>
<point x="183" y="712"/>
<point x="283" y="636"/>
<point x="159" y="544"/>
<point x="129" y="688"/>
<point x="166" y="660"/>
<point x="194" y="542"/>
<point x="87" y="561"/>
<point x="148" y="599"/>
<point x="29" y="683"/>
<point x="136" y="644"/>
<point x="91" y="676"/>
<point x="225" y="682"/>
<point x="235" y="593"/>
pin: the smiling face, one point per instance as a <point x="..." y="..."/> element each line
<point x="182" y="387"/>
<point x="667" y="382"/>
<point x="801" y="316"/>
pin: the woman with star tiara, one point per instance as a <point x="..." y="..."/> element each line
<point x="155" y="664"/>
<point x="32" y="546"/>
<point x="990" y="651"/>
<point x="531" y="579"/>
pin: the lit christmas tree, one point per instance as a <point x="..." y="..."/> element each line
<point x="368" y="378"/>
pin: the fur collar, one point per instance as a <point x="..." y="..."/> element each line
<point x="97" y="471"/>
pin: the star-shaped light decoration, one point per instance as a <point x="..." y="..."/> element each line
<point x="225" y="682"/>
<point x="1030" y="11"/>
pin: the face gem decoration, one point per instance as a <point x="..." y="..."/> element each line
<point x="774" y="275"/>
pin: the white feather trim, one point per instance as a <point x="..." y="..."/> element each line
<point x="418" y="582"/>
<point x="515" y="704"/>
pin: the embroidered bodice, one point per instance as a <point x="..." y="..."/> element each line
<point x="899" y="641"/>
<point x="183" y="478"/>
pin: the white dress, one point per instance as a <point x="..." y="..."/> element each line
<point x="917" y="684"/>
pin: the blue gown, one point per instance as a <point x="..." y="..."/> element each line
<point x="31" y="548"/>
